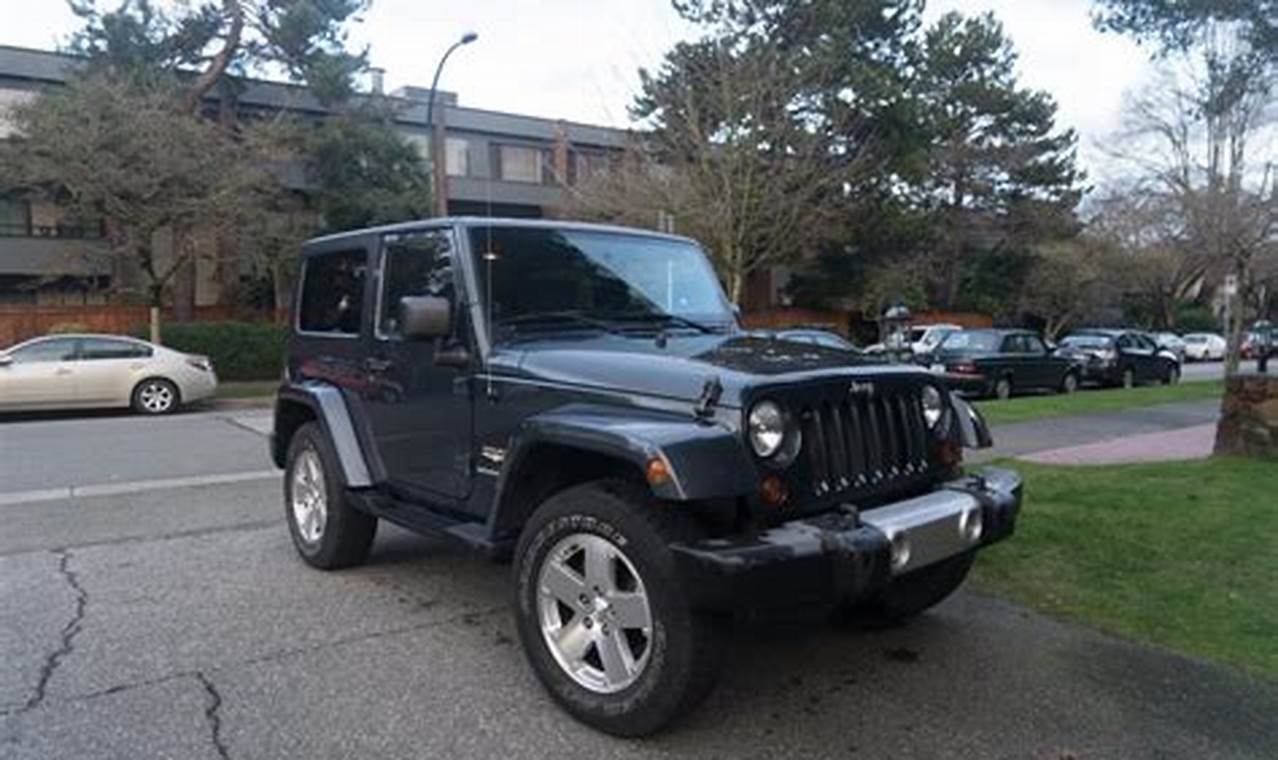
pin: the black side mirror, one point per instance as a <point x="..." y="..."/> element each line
<point x="425" y="316"/>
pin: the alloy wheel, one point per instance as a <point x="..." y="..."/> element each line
<point x="594" y="613"/>
<point x="156" y="397"/>
<point x="309" y="500"/>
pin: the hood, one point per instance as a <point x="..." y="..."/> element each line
<point x="680" y="368"/>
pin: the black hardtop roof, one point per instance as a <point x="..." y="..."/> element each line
<point x="485" y="221"/>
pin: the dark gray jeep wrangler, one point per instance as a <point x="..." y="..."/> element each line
<point x="581" y="399"/>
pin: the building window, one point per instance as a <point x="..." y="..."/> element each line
<point x="457" y="157"/>
<point x="15" y="217"/>
<point x="587" y="163"/>
<point x="521" y="163"/>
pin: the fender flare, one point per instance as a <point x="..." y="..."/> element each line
<point x="329" y="408"/>
<point x="704" y="460"/>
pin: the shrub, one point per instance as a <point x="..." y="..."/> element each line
<point x="239" y="350"/>
<point x="1194" y="318"/>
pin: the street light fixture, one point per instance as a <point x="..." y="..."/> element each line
<point x="437" y="160"/>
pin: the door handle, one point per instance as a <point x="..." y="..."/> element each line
<point x="377" y="365"/>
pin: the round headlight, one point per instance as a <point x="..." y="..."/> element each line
<point x="766" y="428"/>
<point x="933" y="407"/>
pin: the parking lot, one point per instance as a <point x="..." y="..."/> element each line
<point x="154" y="607"/>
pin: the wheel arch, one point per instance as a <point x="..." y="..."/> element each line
<point x="697" y="462"/>
<point x="311" y="401"/>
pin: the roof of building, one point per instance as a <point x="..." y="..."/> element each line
<point x="44" y="67"/>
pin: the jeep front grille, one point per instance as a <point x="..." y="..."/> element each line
<point x="863" y="442"/>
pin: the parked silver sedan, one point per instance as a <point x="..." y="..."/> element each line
<point x="83" y="371"/>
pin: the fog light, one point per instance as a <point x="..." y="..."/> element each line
<point x="773" y="491"/>
<point x="900" y="550"/>
<point x="971" y="525"/>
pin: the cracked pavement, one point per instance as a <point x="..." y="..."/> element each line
<point x="179" y="623"/>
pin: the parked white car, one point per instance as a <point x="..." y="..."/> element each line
<point x="925" y="338"/>
<point x="1204" y="347"/>
<point x="83" y="371"/>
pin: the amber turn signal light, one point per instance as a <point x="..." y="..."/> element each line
<point x="773" y="491"/>
<point x="657" y="472"/>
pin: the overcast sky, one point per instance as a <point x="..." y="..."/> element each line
<point x="578" y="59"/>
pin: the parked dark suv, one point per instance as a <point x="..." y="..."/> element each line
<point x="580" y="399"/>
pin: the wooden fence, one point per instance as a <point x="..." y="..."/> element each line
<point x="18" y="323"/>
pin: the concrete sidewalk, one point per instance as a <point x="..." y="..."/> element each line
<point x="1163" y="446"/>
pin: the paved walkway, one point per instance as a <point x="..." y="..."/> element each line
<point x="1169" y="445"/>
<point x="1020" y="439"/>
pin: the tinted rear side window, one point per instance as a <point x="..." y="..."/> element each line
<point x="104" y="348"/>
<point x="333" y="293"/>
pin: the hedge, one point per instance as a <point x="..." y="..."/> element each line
<point x="239" y="350"/>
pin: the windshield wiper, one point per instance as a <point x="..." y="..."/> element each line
<point x="668" y="319"/>
<point x="550" y="317"/>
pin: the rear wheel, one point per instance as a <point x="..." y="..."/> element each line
<point x="155" y="396"/>
<point x="327" y="531"/>
<point x="1003" y="388"/>
<point x="601" y="614"/>
<point x="1129" y="378"/>
<point x="1069" y="384"/>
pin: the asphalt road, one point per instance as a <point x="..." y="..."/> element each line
<point x="161" y="618"/>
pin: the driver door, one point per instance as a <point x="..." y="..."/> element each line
<point x="420" y="410"/>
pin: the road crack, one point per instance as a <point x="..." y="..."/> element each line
<point x="212" y="715"/>
<point x="66" y="644"/>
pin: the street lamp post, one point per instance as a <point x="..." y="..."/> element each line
<point x="437" y="158"/>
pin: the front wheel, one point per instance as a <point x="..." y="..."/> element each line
<point x="1070" y="383"/>
<point x="1003" y="388"/>
<point x="1173" y="375"/>
<point x="1129" y="378"/>
<point x="601" y="614"/>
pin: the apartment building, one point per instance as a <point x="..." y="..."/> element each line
<point x="496" y="164"/>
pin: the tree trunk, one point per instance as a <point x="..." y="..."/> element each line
<point x="155" y="324"/>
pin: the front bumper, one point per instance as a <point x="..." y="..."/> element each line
<point x="848" y="554"/>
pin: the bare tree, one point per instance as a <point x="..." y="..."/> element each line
<point x="1069" y="280"/>
<point x="1188" y="138"/>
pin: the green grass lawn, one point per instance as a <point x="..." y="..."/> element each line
<point x="1090" y="401"/>
<point x="247" y="388"/>
<point x="1183" y="555"/>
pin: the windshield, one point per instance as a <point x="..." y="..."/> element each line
<point x="970" y="342"/>
<point x="1087" y="341"/>
<point x="540" y="276"/>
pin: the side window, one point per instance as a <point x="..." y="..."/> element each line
<point x="1012" y="345"/>
<point x="53" y="350"/>
<point x="105" y="348"/>
<point x="333" y="293"/>
<point x="413" y="265"/>
<point x="1034" y="345"/>
<point x="1124" y="341"/>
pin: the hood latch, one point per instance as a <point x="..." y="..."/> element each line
<point x="710" y="393"/>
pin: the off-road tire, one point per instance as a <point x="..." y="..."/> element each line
<point x="348" y="533"/>
<point x="683" y="662"/>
